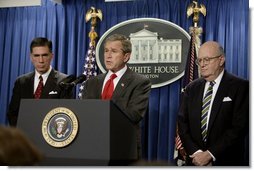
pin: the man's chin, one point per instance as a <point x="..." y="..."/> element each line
<point x="41" y="71"/>
<point x="204" y="76"/>
<point x="108" y="68"/>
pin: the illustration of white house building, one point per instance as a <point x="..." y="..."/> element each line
<point x="148" y="48"/>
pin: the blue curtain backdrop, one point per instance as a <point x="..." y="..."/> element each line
<point x="64" y="24"/>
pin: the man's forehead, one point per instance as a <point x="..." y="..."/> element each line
<point x="113" y="45"/>
<point x="39" y="48"/>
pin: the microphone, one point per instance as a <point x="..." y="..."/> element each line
<point x="67" y="80"/>
<point x="79" y="79"/>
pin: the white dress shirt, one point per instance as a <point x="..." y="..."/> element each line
<point x="44" y="76"/>
<point x="116" y="80"/>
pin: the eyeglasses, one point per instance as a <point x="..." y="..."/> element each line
<point x="206" y="60"/>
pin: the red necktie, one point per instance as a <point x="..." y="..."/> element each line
<point x="109" y="88"/>
<point x="38" y="91"/>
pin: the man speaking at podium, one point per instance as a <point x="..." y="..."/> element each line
<point x="41" y="83"/>
<point x="127" y="89"/>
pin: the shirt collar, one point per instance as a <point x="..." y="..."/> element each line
<point x="118" y="73"/>
<point x="45" y="75"/>
<point x="218" y="79"/>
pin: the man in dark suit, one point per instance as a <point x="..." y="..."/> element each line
<point x="26" y="85"/>
<point x="130" y="91"/>
<point x="214" y="130"/>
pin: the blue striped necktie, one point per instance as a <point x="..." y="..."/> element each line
<point x="205" y="108"/>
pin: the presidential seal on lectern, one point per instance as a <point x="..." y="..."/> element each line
<point x="59" y="127"/>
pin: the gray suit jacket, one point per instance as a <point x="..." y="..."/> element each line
<point x="131" y="95"/>
<point x="24" y="87"/>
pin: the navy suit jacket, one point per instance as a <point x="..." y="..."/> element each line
<point x="24" y="89"/>
<point x="229" y="120"/>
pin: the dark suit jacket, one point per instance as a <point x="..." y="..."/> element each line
<point x="24" y="89"/>
<point x="228" y="124"/>
<point x="131" y="95"/>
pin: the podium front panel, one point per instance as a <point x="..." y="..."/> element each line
<point x="91" y="145"/>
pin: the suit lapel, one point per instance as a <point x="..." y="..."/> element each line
<point x="197" y="105"/>
<point x="220" y="94"/>
<point x="99" y="86"/>
<point x="30" y="90"/>
<point x="50" y="84"/>
<point x="123" y="83"/>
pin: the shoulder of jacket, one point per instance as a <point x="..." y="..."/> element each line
<point x="26" y="75"/>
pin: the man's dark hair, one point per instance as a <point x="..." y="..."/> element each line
<point x="123" y="39"/>
<point x="41" y="41"/>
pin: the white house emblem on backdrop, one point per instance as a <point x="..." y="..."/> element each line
<point x="147" y="47"/>
<point x="159" y="49"/>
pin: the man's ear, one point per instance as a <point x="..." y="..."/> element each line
<point x="127" y="57"/>
<point x="222" y="61"/>
<point x="52" y="55"/>
<point x="31" y="56"/>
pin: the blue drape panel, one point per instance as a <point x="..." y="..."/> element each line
<point x="226" y="22"/>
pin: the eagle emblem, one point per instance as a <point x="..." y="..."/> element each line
<point x="195" y="10"/>
<point x="93" y="14"/>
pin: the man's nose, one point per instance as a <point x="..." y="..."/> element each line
<point x="108" y="54"/>
<point x="41" y="59"/>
